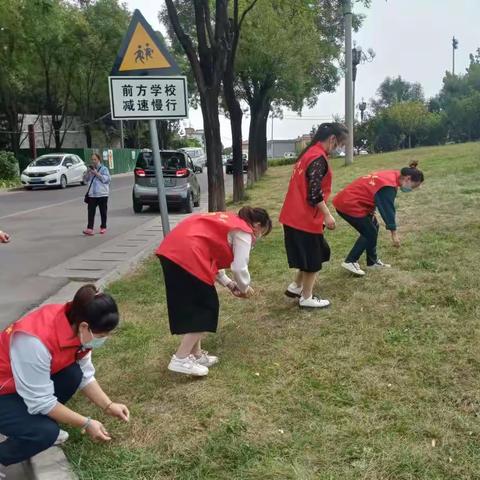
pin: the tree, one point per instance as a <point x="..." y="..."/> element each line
<point x="57" y="52"/>
<point x="397" y="90"/>
<point x="409" y="116"/>
<point x="208" y="59"/>
<point x="286" y="58"/>
<point x="16" y="73"/>
<point x="99" y="31"/>
<point x="232" y="99"/>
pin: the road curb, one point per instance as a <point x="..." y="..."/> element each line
<point x="52" y="464"/>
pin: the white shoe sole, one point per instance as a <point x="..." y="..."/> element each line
<point x="209" y="365"/>
<point x="315" y="308"/>
<point x="353" y="272"/>
<point x="186" y="371"/>
<point x="290" y="294"/>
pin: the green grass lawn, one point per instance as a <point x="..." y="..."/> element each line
<point x="383" y="385"/>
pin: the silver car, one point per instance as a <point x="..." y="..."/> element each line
<point x="181" y="185"/>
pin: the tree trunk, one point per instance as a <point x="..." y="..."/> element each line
<point x="88" y="135"/>
<point x="56" y="133"/>
<point x="236" y="115"/>
<point x="213" y="143"/>
<point x="257" y="140"/>
<point x="409" y="141"/>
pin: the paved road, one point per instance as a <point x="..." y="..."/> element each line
<point x="46" y="228"/>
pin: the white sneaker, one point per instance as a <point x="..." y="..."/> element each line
<point x="187" y="365"/>
<point x="353" y="268"/>
<point x="294" y="291"/>
<point x="63" y="436"/>
<point x="207" y="360"/>
<point x="379" y="264"/>
<point x="313" y="302"/>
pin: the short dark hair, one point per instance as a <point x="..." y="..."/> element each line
<point x="253" y="215"/>
<point x="413" y="172"/>
<point x="97" y="309"/>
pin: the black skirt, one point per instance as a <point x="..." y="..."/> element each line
<point x="192" y="304"/>
<point x="305" y="251"/>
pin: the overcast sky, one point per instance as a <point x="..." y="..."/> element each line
<point x="411" y="38"/>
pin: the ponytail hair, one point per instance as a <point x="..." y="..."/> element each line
<point x="413" y="172"/>
<point x="325" y="131"/>
<point x="253" y="215"/>
<point x="97" y="309"/>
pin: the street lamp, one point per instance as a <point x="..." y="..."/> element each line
<point x="358" y="57"/>
<point x="454" y="47"/>
<point x="362" y="106"/>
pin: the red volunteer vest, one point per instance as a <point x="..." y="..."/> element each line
<point x="358" y="198"/>
<point x="296" y="211"/>
<point x="50" y="325"/>
<point x="200" y="245"/>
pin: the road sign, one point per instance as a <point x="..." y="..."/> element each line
<point x="148" y="97"/>
<point x="142" y="52"/>
<point x="145" y="84"/>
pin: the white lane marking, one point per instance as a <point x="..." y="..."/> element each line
<point x="31" y="210"/>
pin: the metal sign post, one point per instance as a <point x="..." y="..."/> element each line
<point x="162" y="200"/>
<point x="146" y="84"/>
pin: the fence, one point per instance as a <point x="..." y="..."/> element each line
<point x="118" y="160"/>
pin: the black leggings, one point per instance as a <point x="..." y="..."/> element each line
<point x="367" y="241"/>
<point x="102" y="203"/>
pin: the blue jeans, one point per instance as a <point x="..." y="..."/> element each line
<point x="368" y="228"/>
<point x="31" y="434"/>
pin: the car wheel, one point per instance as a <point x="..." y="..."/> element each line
<point x="137" y="206"/>
<point x="189" y="204"/>
<point x="83" y="182"/>
<point x="63" y="182"/>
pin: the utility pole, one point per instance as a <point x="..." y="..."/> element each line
<point x="454" y="47"/>
<point x="347" y="12"/>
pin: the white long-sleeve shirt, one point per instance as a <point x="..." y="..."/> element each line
<point x="31" y="367"/>
<point x="241" y="243"/>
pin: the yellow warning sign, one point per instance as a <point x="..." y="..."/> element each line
<point x="142" y="53"/>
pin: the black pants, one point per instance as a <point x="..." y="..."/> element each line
<point x="31" y="434"/>
<point x="102" y="203"/>
<point x="367" y="241"/>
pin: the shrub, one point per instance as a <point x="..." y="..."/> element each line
<point x="8" y="166"/>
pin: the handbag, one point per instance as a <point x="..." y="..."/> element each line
<point x="88" y="191"/>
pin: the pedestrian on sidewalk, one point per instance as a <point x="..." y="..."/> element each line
<point x="193" y="256"/>
<point x="305" y="213"/>
<point x="45" y="357"/>
<point x="4" y="237"/>
<point x="357" y="203"/>
<point x="97" y="194"/>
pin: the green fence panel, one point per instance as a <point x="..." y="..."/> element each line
<point x="118" y="160"/>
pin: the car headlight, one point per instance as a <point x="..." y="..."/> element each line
<point x="51" y="172"/>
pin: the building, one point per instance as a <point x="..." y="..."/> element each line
<point x="199" y="135"/>
<point x="278" y="148"/>
<point x="303" y="141"/>
<point x="45" y="135"/>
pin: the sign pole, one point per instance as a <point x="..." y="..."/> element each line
<point x="162" y="200"/>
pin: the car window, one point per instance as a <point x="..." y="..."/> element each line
<point x="170" y="160"/>
<point x="47" y="161"/>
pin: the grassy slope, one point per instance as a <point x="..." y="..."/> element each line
<point x="384" y="385"/>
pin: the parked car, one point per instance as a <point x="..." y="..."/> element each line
<point x="229" y="164"/>
<point x="54" y="170"/>
<point x="198" y="157"/>
<point x="181" y="184"/>
<point x="289" y="155"/>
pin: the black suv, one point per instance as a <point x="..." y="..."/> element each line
<point x="181" y="184"/>
<point x="229" y="164"/>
